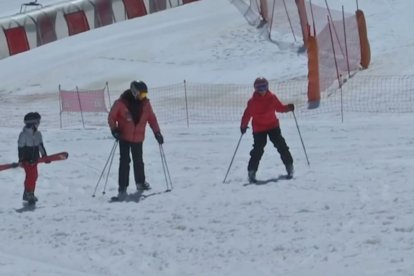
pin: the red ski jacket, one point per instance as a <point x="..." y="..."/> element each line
<point x="262" y="108"/>
<point x="130" y="117"/>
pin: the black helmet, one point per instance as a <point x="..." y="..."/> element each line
<point x="32" y="118"/>
<point x="138" y="87"/>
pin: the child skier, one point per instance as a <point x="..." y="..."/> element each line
<point x="262" y="108"/>
<point x="30" y="143"/>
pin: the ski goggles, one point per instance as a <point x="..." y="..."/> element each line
<point x="142" y="95"/>
<point x="261" y="87"/>
<point x="135" y="92"/>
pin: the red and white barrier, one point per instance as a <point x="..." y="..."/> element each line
<point x="25" y="31"/>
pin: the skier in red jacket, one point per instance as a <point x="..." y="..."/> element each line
<point x="128" y="119"/>
<point x="262" y="107"/>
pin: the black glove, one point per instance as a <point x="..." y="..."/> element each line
<point x="291" y="107"/>
<point x="159" y="138"/>
<point x="116" y="133"/>
<point x="243" y="130"/>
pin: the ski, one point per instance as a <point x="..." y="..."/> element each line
<point x="137" y="196"/>
<point x="267" y="181"/>
<point x="45" y="159"/>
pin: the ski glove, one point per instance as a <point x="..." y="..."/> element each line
<point x="159" y="138"/>
<point x="116" y="133"/>
<point x="243" y="130"/>
<point x="291" y="107"/>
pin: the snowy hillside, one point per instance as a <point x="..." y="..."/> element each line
<point x="349" y="213"/>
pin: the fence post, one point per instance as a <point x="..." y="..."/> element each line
<point x="109" y="96"/>
<point x="333" y="51"/>
<point x="80" y="107"/>
<point x="186" y="103"/>
<point x="60" y="107"/>
<point x="346" y="43"/>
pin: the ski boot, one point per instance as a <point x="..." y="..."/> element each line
<point x="29" y="197"/>
<point x="252" y="177"/>
<point x="261" y="24"/>
<point x="122" y="195"/>
<point x="289" y="171"/>
<point x="143" y="186"/>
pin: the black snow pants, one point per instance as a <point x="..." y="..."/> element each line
<point x="124" y="160"/>
<point x="260" y="140"/>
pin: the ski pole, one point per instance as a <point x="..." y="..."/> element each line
<point x="167" y="175"/>
<point x="232" y="159"/>
<point x="106" y="164"/>
<point x="109" y="169"/>
<point x="300" y="136"/>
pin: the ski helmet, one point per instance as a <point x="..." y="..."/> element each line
<point x="32" y="118"/>
<point x="261" y="84"/>
<point x="138" y="87"/>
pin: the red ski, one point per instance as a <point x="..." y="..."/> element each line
<point x="49" y="158"/>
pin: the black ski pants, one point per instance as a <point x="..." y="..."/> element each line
<point x="260" y="140"/>
<point x="136" y="150"/>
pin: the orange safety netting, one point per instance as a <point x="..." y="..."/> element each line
<point x="339" y="42"/>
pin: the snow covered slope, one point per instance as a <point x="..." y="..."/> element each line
<point x="348" y="213"/>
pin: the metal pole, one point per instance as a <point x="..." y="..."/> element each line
<point x="109" y="169"/>
<point x="103" y="170"/>
<point x="186" y="103"/>
<point x="80" y="106"/>
<point x="167" y="175"/>
<point x="232" y="159"/>
<point x="334" y="53"/>
<point x="60" y="106"/>
<point x="300" y="136"/>
<point x="290" y="22"/>
<point x="109" y="96"/>
<point x="346" y="43"/>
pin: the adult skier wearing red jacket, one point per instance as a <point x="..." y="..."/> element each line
<point x="128" y="119"/>
<point x="262" y="107"/>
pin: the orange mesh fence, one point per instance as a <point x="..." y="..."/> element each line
<point x="196" y="103"/>
<point x="342" y="43"/>
<point x="80" y="102"/>
<point x="339" y="51"/>
<point x="212" y="103"/>
<point x="208" y="103"/>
